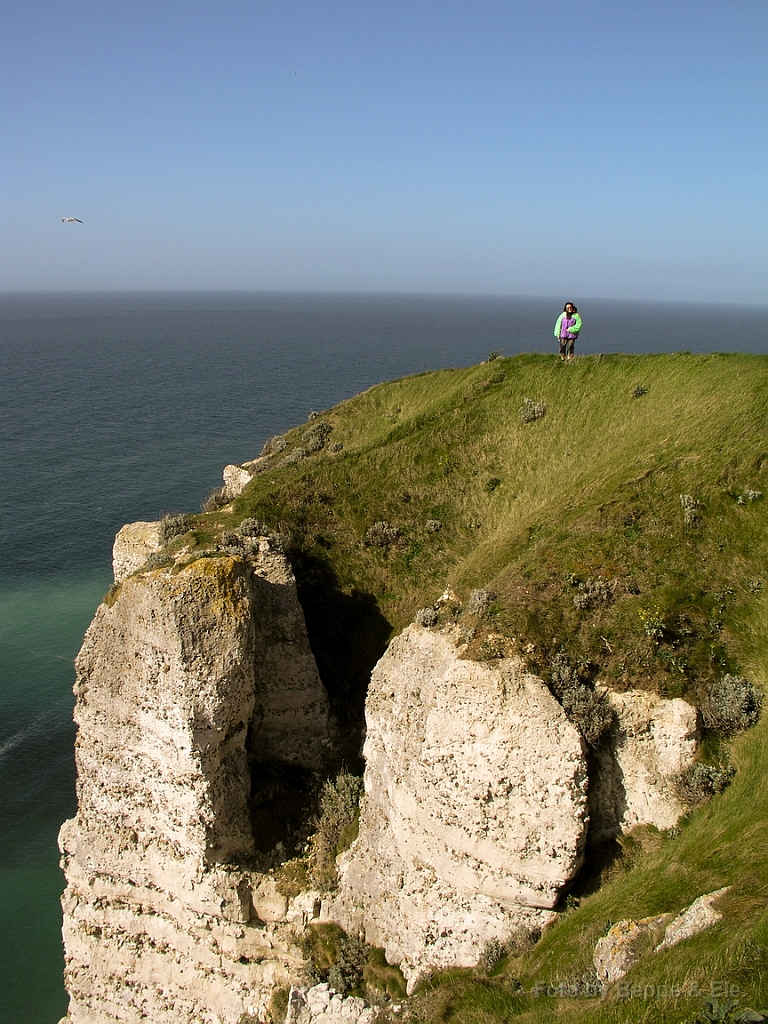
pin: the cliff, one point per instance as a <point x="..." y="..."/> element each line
<point x="547" y="705"/>
<point x="190" y="685"/>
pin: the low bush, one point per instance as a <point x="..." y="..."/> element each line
<point x="690" y="510"/>
<point x="493" y="953"/>
<point x="434" y="525"/>
<point x="274" y="445"/>
<point x="314" y="438"/>
<point x="215" y="500"/>
<point x="295" y="456"/>
<point x="381" y="535"/>
<point x="589" y="711"/>
<point x="530" y="410"/>
<point x="698" y="783"/>
<point x="732" y="704"/>
<point x="334" y="957"/>
<point x="426" y="617"/>
<point x="251" y="527"/>
<point x="479" y="602"/>
<point x="593" y="592"/>
<point x="174" y="526"/>
<point x="335" y="826"/>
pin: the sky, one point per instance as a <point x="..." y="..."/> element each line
<point x="581" y="147"/>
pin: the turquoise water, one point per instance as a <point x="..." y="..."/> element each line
<point x="121" y="407"/>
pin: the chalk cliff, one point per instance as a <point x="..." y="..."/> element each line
<point x="190" y="681"/>
<point x="475" y="809"/>
<point x="196" y="688"/>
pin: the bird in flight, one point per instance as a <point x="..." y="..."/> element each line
<point x="71" y="220"/>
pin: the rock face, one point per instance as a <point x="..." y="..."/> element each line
<point x="625" y="944"/>
<point x="632" y="776"/>
<point x="321" y="1005"/>
<point x="475" y="809"/>
<point x="189" y="681"/>
<point x="237" y="478"/>
<point x="133" y="546"/>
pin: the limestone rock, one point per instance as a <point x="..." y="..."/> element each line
<point x="190" y="679"/>
<point x="474" y="814"/>
<point x="701" y="914"/>
<point x="133" y="546"/>
<point x="632" y="776"/>
<point x="321" y="1005"/>
<point x="626" y="942"/>
<point x="237" y="478"/>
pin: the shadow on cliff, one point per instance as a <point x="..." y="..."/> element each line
<point x="348" y="634"/>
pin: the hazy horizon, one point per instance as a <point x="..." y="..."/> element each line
<point x="429" y="147"/>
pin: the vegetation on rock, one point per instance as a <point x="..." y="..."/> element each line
<point x="626" y="545"/>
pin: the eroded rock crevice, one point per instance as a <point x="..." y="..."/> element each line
<point x="203" y="729"/>
<point x="192" y="677"/>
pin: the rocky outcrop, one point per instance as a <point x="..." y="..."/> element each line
<point x="475" y="808"/>
<point x="321" y="1005"/>
<point x="134" y="543"/>
<point x="627" y="942"/>
<point x="237" y="478"/>
<point x="632" y="775"/>
<point x="701" y="914"/>
<point x="187" y="683"/>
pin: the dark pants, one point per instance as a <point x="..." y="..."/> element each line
<point x="566" y="347"/>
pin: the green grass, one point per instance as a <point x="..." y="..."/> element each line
<point x="589" y="492"/>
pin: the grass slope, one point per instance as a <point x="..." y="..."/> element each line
<point x="638" y="494"/>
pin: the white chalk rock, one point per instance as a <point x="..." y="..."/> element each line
<point x="632" y="775"/>
<point x="475" y="810"/>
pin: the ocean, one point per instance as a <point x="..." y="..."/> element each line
<point x="123" y="406"/>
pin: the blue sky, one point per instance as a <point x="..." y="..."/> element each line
<point x="613" y="149"/>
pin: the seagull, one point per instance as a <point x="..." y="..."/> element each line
<point x="71" y="220"/>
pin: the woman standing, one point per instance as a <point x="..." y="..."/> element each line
<point x="567" y="330"/>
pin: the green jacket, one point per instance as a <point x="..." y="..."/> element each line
<point x="573" y="330"/>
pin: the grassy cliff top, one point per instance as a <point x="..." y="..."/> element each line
<point x="613" y="509"/>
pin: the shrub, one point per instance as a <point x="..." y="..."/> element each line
<point x="727" y="1012"/>
<point x="314" y="438"/>
<point x="426" y="617"/>
<point x="698" y="783"/>
<point x="215" y="500"/>
<point x="230" y="539"/>
<point x="274" y="445"/>
<point x="749" y="495"/>
<point x="336" y="447"/>
<point x="295" y="456"/>
<point x="530" y="410"/>
<point x="690" y="510"/>
<point x="334" y="957"/>
<point x="434" y="525"/>
<point x="589" y="711"/>
<point x="335" y="826"/>
<point x="592" y="592"/>
<point x="174" y="526"/>
<point x="731" y="705"/>
<point x="479" y="602"/>
<point x="381" y="535"/>
<point x="492" y="483"/>
<point x="496" y="354"/>
<point x="251" y="527"/>
<point x="493" y="953"/>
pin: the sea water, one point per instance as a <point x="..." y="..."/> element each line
<point x="126" y="406"/>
